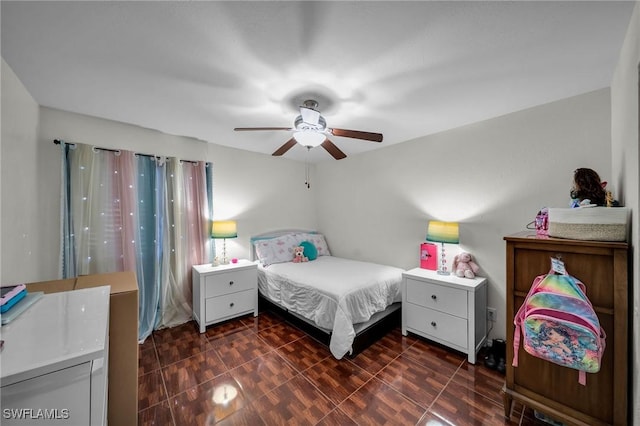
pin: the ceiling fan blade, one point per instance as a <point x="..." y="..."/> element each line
<point x="333" y="149"/>
<point x="242" y="129"/>
<point x="284" y="148"/>
<point x="356" y="134"/>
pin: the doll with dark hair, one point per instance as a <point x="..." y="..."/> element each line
<point x="587" y="189"/>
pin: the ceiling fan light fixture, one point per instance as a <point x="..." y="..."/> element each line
<point x="310" y="130"/>
<point x="309" y="138"/>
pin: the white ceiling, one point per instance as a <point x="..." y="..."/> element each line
<point x="404" y="69"/>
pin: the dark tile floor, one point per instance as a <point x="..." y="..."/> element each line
<point x="255" y="371"/>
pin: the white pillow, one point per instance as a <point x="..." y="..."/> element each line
<point x="276" y="250"/>
<point x="317" y="240"/>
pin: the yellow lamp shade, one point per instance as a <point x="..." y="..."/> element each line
<point x="224" y="229"/>
<point x="443" y="232"/>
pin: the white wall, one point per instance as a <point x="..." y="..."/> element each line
<point x="259" y="191"/>
<point x="625" y="91"/>
<point x="491" y="176"/>
<point x="20" y="223"/>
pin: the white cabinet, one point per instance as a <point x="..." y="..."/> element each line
<point x="54" y="361"/>
<point x="224" y="292"/>
<point x="446" y="309"/>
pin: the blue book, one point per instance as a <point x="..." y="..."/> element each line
<point x="15" y="299"/>
<point x="19" y="308"/>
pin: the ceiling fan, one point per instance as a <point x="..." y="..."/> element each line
<point x="310" y="130"/>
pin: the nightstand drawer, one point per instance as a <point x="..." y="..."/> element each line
<point x="229" y="282"/>
<point x="444" y="327"/>
<point x="436" y="296"/>
<point x="229" y="305"/>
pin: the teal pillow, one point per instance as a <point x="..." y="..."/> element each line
<point x="310" y="251"/>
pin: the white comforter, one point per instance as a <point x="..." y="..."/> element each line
<point x="334" y="293"/>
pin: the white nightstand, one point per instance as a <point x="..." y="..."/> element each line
<point x="224" y="292"/>
<point x="446" y="309"/>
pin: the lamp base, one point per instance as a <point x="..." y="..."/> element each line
<point x="224" y="260"/>
<point x="442" y="270"/>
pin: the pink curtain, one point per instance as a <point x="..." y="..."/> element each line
<point x="126" y="164"/>
<point x="187" y="216"/>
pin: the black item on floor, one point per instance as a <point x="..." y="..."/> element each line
<point x="495" y="359"/>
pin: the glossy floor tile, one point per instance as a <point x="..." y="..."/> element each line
<point x="264" y="371"/>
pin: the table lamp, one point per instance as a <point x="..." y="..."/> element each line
<point x="224" y="229"/>
<point x="443" y="232"/>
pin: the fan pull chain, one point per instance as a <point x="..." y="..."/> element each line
<point x="306" y="169"/>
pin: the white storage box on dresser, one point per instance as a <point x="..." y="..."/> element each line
<point x="54" y="361"/>
<point x="446" y="309"/>
<point x="224" y="292"/>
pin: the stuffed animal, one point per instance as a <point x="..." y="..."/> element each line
<point x="464" y="266"/>
<point x="298" y="255"/>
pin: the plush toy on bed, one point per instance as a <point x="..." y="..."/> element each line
<point x="464" y="266"/>
<point x="298" y="255"/>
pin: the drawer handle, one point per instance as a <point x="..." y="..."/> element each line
<point x="230" y="282"/>
<point x="433" y="324"/>
<point x="231" y="305"/>
<point x="434" y="297"/>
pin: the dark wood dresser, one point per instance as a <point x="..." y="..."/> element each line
<point x="552" y="389"/>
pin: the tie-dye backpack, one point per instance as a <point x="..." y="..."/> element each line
<point x="557" y="322"/>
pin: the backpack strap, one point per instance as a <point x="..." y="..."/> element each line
<point x="580" y="285"/>
<point x="516" y="345"/>
<point x="582" y="377"/>
<point x="517" y="320"/>
<point x="575" y="281"/>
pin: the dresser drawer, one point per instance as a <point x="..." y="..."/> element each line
<point x="229" y="305"/>
<point x="230" y="282"/>
<point x="442" y="326"/>
<point x="434" y="296"/>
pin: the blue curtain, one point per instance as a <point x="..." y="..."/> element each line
<point x="151" y="192"/>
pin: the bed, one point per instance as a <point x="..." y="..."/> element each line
<point x="344" y="303"/>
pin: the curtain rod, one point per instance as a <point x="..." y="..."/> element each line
<point x="58" y="142"/>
